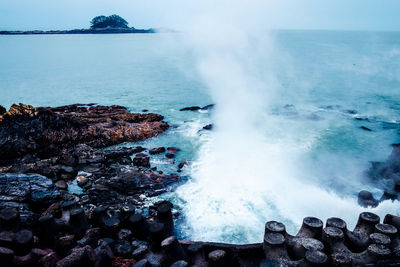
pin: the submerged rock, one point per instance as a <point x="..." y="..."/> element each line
<point x="157" y="150"/>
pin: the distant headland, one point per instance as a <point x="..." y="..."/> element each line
<point x="98" y="25"/>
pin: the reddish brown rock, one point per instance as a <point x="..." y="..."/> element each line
<point x="46" y="131"/>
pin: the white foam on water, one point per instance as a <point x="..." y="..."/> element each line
<point x="251" y="167"/>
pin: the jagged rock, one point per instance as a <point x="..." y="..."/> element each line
<point x="25" y="129"/>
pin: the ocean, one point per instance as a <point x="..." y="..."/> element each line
<point x="287" y="140"/>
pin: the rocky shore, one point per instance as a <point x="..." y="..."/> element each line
<point x="68" y="199"/>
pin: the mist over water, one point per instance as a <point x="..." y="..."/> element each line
<point x="264" y="159"/>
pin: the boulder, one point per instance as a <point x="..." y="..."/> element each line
<point x="141" y="160"/>
<point x="157" y="150"/>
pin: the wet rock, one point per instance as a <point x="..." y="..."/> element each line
<point x="366" y="199"/>
<point x="183" y="164"/>
<point x="208" y="127"/>
<point x="207" y="107"/>
<point x="193" y="108"/>
<point x="141" y="160"/>
<point x="138" y="149"/>
<point x="157" y="150"/>
<point x="171" y="151"/>
<point x="27" y="188"/>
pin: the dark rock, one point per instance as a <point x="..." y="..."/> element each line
<point x="180" y="264"/>
<point x="123" y="248"/>
<point x="50" y="260"/>
<point x="142" y="263"/>
<point x="366" y="128"/>
<point x="171" y="151"/>
<point x="183" y="164"/>
<point x="8" y="217"/>
<point x="138" y="149"/>
<point x="193" y="108"/>
<point x="157" y="150"/>
<point x="61" y="184"/>
<point x="91" y="237"/>
<point x="208" y="127"/>
<point x="23" y="241"/>
<point x="389" y="194"/>
<point x="2" y="110"/>
<point x="79" y="257"/>
<point x="27" y="188"/>
<point x="107" y="241"/>
<point x="104" y="255"/>
<point x="140" y="252"/>
<point x="366" y="199"/>
<point x="6" y="256"/>
<point x="6" y="239"/>
<point x="64" y="244"/>
<point x="142" y="160"/>
<point x="124" y="234"/>
<point x="210" y="106"/>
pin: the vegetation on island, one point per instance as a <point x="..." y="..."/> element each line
<point x="113" y="21"/>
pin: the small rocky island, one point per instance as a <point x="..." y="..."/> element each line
<point x="99" y="25"/>
<point x="44" y="151"/>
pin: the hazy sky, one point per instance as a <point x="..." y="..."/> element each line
<point x="292" y="14"/>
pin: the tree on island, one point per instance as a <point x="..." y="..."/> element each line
<point x="113" y="21"/>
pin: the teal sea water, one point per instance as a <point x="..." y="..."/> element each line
<point x="303" y="154"/>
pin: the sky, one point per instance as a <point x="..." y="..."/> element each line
<point x="283" y="14"/>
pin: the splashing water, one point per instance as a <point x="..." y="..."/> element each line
<point x="251" y="168"/>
